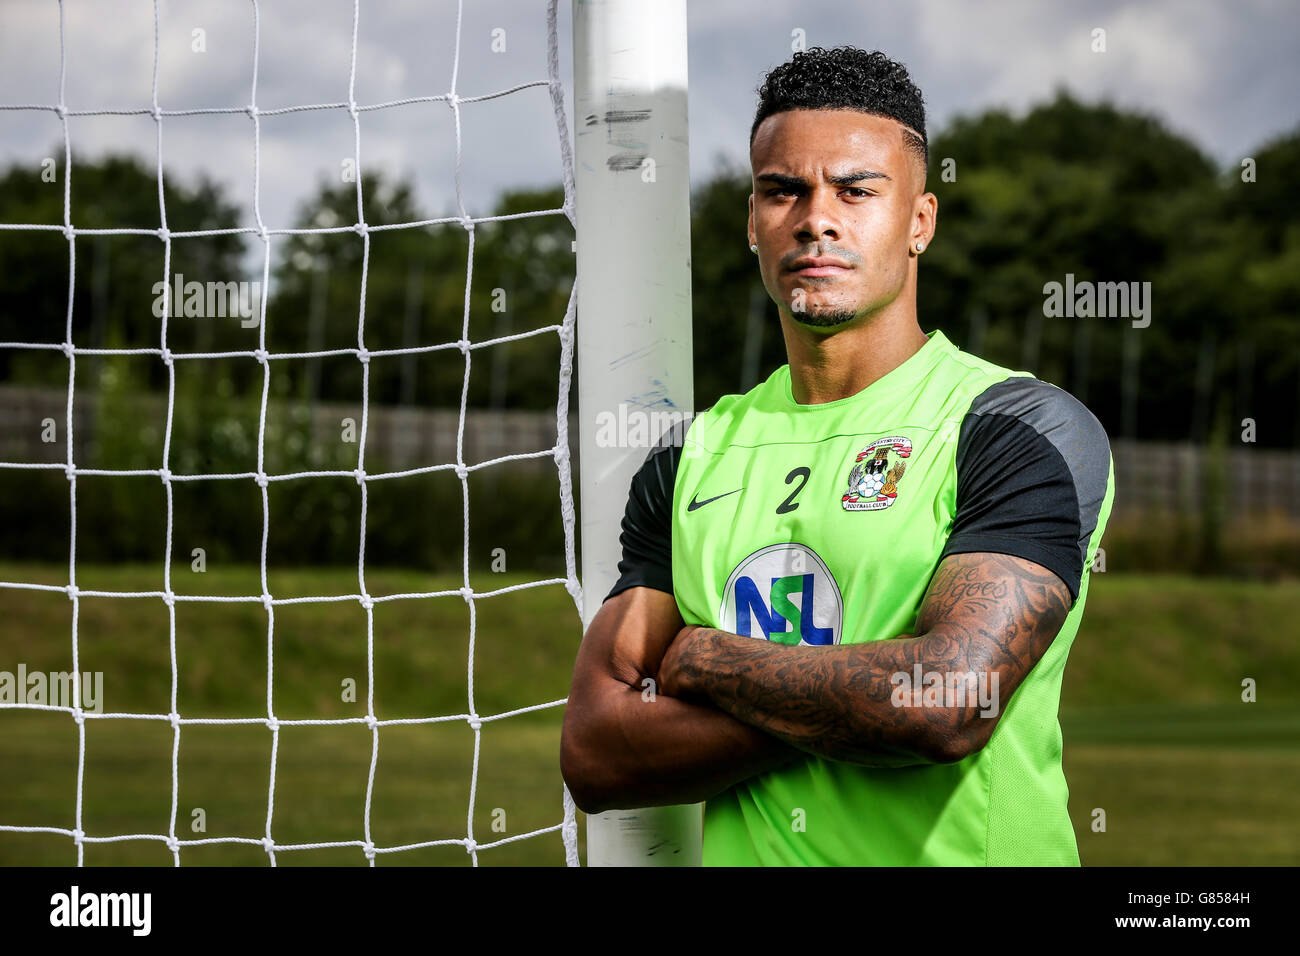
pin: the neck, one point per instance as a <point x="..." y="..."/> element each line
<point x="826" y="367"/>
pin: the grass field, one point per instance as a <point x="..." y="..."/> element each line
<point x="1155" y="732"/>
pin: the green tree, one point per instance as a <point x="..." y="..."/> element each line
<point x="415" y="297"/>
<point x="115" y="275"/>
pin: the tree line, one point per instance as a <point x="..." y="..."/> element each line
<point x="1070" y="192"/>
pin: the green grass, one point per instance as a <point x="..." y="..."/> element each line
<point x="1157" y="734"/>
<point x="421" y="791"/>
<point x="1150" y="639"/>
<point x="1155" y="731"/>
<point x="1192" y="803"/>
<point x="524" y="649"/>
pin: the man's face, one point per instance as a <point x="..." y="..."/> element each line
<point x="838" y="186"/>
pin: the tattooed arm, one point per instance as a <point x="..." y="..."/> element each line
<point x="985" y="614"/>
<point x="627" y="744"/>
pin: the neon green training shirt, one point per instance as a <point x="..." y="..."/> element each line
<point x="823" y="524"/>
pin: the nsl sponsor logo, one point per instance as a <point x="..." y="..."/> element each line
<point x="209" y="300"/>
<point x="785" y="594"/>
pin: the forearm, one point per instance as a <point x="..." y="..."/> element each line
<point x="634" y="749"/>
<point x="985" y="622"/>
<point x="842" y="702"/>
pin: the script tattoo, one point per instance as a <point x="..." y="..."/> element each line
<point x="991" y="612"/>
<point x="982" y="613"/>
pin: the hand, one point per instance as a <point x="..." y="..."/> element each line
<point x="670" y="675"/>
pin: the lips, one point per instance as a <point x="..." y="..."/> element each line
<point x="820" y="266"/>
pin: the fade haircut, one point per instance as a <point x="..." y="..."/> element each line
<point x="846" y="78"/>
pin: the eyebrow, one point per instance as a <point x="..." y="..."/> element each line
<point x="798" y="182"/>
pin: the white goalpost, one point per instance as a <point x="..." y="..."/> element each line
<point x="634" y="312"/>
<point x="626" y="189"/>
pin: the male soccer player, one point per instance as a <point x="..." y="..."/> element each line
<point x="855" y="585"/>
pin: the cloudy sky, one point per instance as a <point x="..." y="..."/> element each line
<point x="1222" y="72"/>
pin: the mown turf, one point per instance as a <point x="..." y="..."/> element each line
<point x="1156" y="733"/>
<point x="1185" y="804"/>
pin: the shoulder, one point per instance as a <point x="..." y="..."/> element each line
<point x="655" y="478"/>
<point x="1030" y="405"/>
<point x="646" y="536"/>
<point x="1033" y="474"/>
<point x="996" y="404"/>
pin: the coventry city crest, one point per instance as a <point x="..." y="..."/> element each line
<point x="874" y="478"/>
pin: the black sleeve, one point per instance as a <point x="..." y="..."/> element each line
<point x="1033" y="468"/>
<point x="648" y="524"/>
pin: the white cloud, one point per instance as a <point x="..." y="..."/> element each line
<point x="1224" y="74"/>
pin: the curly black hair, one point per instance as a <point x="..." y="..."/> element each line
<point x="846" y="78"/>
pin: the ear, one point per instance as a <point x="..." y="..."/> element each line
<point x="926" y="220"/>
<point x="750" y="224"/>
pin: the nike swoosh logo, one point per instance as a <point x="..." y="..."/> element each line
<point x="700" y="504"/>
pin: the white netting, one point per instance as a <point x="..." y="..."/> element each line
<point x="560" y="452"/>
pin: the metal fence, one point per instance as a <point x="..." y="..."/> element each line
<point x="1151" y="478"/>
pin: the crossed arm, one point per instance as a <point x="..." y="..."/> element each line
<point x="727" y="707"/>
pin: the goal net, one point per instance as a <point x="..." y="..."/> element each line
<point x="266" y="631"/>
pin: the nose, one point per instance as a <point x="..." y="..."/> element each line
<point x="818" y="220"/>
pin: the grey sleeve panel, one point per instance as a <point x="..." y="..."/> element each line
<point x="1032" y="471"/>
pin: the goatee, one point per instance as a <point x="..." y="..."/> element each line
<point x="826" y="319"/>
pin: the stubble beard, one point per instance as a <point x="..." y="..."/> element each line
<point x="825" y="317"/>
<point x="826" y="320"/>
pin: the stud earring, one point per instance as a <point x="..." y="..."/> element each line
<point x="920" y="247"/>
<point x="753" y="249"/>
